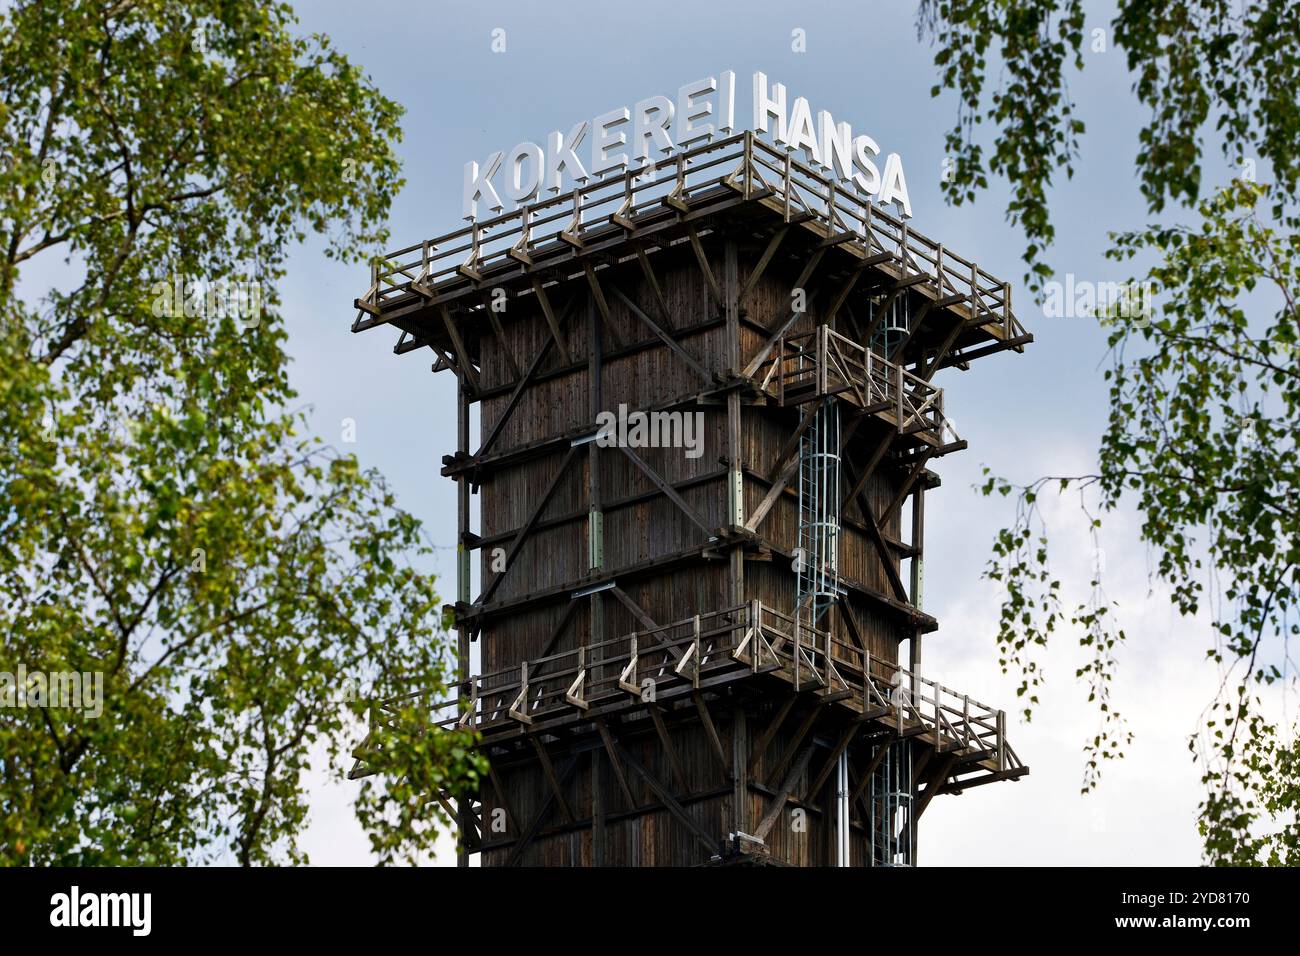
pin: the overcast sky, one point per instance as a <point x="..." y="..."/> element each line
<point x="1024" y="415"/>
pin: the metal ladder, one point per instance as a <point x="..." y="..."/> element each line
<point x="817" y="560"/>
<point x="891" y="829"/>
<point x="894" y="326"/>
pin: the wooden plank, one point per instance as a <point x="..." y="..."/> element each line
<point x="670" y="751"/>
<point x="664" y="337"/>
<point x="711" y="730"/>
<point x="462" y="353"/>
<point x="669" y="491"/>
<point x="652" y="280"/>
<point x="544" y="300"/>
<point x="934" y="787"/>
<point x="602" y="304"/>
<point x="503" y="795"/>
<point x="775" y="335"/>
<point x="778" y="802"/>
<point x="678" y="812"/>
<point x="615" y="762"/>
<point x="501" y="341"/>
<point x="535" y="827"/>
<point x="928" y="371"/>
<point x="793" y="747"/>
<point x="761" y="265"/>
<point x="527" y="528"/>
<point x="765" y="738"/>
<point x="545" y="759"/>
<point x="559" y="628"/>
<point x="867" y="472"/>
<point x="513" y="401"/>
<point x="715" y="291"/>
<point x="882" y="550"/>
<point x="846" y="737"/>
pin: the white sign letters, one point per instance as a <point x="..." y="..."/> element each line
<point x="657" y="126"/>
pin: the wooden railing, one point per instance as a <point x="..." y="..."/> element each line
<point x="742" y="164"/>
<point x="823" y="363"/>
<point x="732" y="644"/>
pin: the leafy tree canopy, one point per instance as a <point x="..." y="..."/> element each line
<point x="1205" y="397"/>
<point x="163" y="520"/>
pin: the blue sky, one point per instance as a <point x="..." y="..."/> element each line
<point x="1024" y="415"/>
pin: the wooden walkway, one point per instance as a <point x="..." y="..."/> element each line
<point x="745" y="642"/>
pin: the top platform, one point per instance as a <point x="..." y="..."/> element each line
<point x="675" y="200"/>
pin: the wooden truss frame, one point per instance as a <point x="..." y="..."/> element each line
<point x="576" y="249"/>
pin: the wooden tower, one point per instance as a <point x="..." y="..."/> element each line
<point x="700" y="642"/>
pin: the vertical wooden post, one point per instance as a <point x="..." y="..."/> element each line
<point x="866" y="679"/>
<point x="735" y="476"/>
<point x="787" y="187"/>
<point x="938" y="712"/>
<point x="822" y="333"/>
<point x="747" y="162"/>
<point x="739" y="772"/>
<point x="596" y="629"/>
<point x="462" y="590"/>
<point x="899" y="386"/>
<point x="797" y="654"/>
<point x="1002" y="738"/>
<point x="598" y="807"/>
<point x="695" y="678"/>
<point x="917" y="571"/>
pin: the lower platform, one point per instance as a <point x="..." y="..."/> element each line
<point x="737" y="736"/>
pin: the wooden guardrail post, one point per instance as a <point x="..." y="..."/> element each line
<point x="695" y="677"/>
<point x="780" y="370"/>
<point x="899" y="413"/>
<point x="1002" y="740"/>
<point x="747" y="163"/>
<point x="822" y="342"/>
<point x="865" y="655"/>
<point x="938" y="717"/>
<point x="787" y="187"/>
<point x="797" y="654"/>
